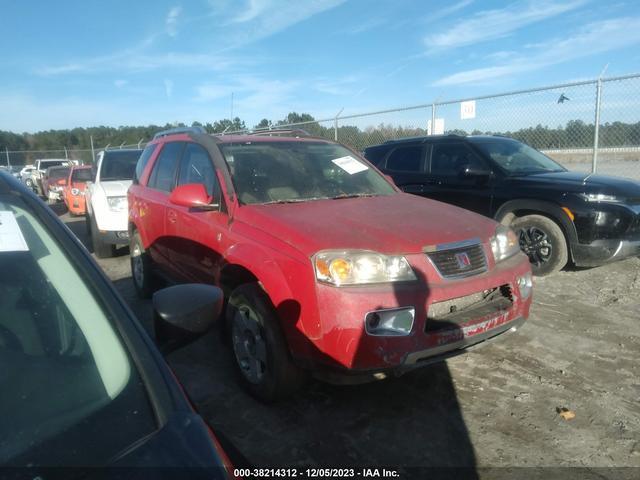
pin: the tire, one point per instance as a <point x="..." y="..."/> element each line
<point x="259" y="349"/>
<point x="141" y="267"/>
<point x="544" y="243"/>
<point x="87" y="222"/>
<point x="101" y="248"/>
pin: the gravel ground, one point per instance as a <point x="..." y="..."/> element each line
<point x="495" y="407"/>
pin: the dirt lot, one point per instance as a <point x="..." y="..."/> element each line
<point x="495" y="407"/>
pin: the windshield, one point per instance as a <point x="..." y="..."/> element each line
<point x="64" y="372"/>
<point x="281" y="172"/>
<point x="81" y="175"/>
<point x="119" y="165"/>
<point x="518" y="158"/>
<point x="56" y="173"/>
<point x="54" y="163"/>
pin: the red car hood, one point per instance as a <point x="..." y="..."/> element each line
<point x="399" y="223"/>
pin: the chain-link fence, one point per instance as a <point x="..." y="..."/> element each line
<point x="81" y="156"/>
<point x="591" y="125"/>
<point x="559" y="120"/>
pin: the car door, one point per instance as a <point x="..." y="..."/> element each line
<point x="156" y="199"/>
<point x="459" y="176"/>
<point x="406" y="164"/>
<point x="196" y="235"/>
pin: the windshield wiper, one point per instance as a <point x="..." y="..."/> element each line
<point x="353" y="195"/>
<point x="294" y="200"/>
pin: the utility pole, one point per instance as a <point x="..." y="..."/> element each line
<point x="93" y="152"/>
<point x="6" y="150"/>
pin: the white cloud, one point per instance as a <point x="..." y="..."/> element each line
<point x="445" y="12"/>
<point x="168" y="87"/>
<point x="120" y="83"/>
<point x="263" y="18"/>
<point x="337" y="86"/>
<point x="251" y="94"/>
<point x="498" y="23"/>
<point x="360" y="26"/>
<point x="597" y="37"/>
<point x="171" y="22"/>
<point x="137" y="61"/>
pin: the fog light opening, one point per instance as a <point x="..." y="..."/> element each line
<point x="390" y="322"/>
<point x="525" y="285"/>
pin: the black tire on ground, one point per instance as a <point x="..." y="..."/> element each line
<point x="544" y="243"/>
<point x="87" y="222"/>
<point x="259" y="348"/>
<point x="141" y="267"/>
<point x="101" y="248"/>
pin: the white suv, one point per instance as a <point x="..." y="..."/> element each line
<point x="106" y="200"/>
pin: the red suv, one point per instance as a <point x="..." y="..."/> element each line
<point x="326" y="265"/>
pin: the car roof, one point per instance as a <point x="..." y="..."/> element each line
<point x="124" y="150"/>
<point x="229" y="139"/>
<point x="435" y="138"/>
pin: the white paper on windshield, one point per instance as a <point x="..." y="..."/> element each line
<point x="11" y="238"/>
<point x="350" y="164"/>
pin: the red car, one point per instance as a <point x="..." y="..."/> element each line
<point x="327" y="266"/>
<point x="53" y="182"/>
<point x="73" y="194"/>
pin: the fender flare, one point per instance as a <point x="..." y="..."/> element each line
<point x="263" y="267"/>
<point x="548" y="209"/>
<point x="274" y="282"/>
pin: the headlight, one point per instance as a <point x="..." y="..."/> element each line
<point x="600" y="197"/>
<point x="75" y="191"/>
<point x="117" y="204"/>
<point x="361" y="267"/>
<point x="504" y="243"/>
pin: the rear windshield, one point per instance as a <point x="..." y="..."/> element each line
<point x="284" y="172"/>
<point x="56" y="173"/>
<point x="119" y="165"/>
<point x="65" y="375"/>
<point x="53" y="163"/>
<point x="81" y="175"/>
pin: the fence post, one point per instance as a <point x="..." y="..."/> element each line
<point x="335" y="125"/>
<point x="596" y="132"/>
<point x="433" y="119"/>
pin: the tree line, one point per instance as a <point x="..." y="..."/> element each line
<point x="575" y="134"/>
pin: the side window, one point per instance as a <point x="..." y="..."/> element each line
<point x="142" y="161"/>
<point x="164" y="171"/>
<point x="449" y="159"/>
<point x="406" y="159"/>
<point x="196" y="167"/>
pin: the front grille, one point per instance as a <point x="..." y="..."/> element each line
<point x="459" y="261"/>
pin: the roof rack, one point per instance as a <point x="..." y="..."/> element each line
<point x="175" y="131"/>
<point x="296" y="132"/>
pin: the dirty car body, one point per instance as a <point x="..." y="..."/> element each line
<point x="364" y="280"/>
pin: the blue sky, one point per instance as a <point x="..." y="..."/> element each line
<point x="87" y="63"/>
